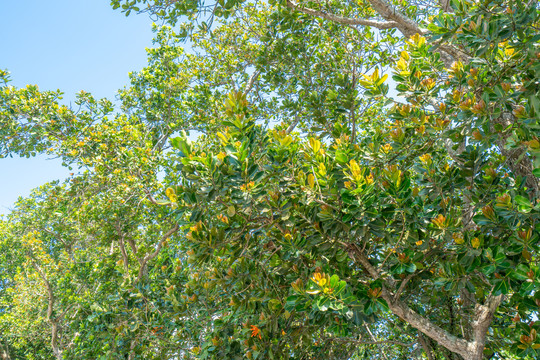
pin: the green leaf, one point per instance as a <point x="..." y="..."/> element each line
<point x="501" y="287"/>
<point x="338" y="289"/>
<point x="534" y="101"/>
<point x="334" y="280"/>
<point x="520" y="273"/>
<point x="274" y="305"/>
<point x="523" y="203"/>
<point x="341" y="157"/>
<point x="322" y="303"/>
<point x="183" y="144"/>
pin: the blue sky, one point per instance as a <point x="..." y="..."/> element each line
<point x="70" y="45"/>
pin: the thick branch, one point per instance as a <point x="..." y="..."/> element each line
<point x="395" y="20"/>
<point x="150" y="256"/>
<point x="5" y="352"/>
<point x="407" y="26"/>
<point x="445" y="5"/>
<point x="343" y="20"/>
<point x="482" y="320"/>
<point x="251" y="81"/>
<point x="293" y="124"/>
<point x="443" y="337"/>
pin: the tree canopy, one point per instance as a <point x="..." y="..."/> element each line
<point x="287" y="180"/>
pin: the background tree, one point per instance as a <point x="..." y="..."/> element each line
<point x="314" y="215"/>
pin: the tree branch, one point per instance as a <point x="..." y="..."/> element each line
<point x="122" y="247"/>
<point x="150" y="256"/>
<point x="449" y="341"/>
<point x="407" y="26"/>
<point x="445" y="5"/>
<point x="251" y="81"/>
<point x="133" y="246"/>
<point x="374" y="339"/>
<point x="399" y="308"/>
<point x="343" y="20"/>
<point x="293" y="124"/>
<point x="150" y="197"/>
<point x="50" y="309"/>
<point x="482" y="320"/>
<point x="403" y="285"/>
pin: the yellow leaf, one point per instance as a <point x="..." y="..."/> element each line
<point x="364" y="82"/>
<point x="381" y="81"/>
<point x="401" y="64"/>
<point x="322" y="169"/>
<point x="369" y="179"/>
<point x="356" y="171"/>
<point x="311" y="181"/>
<point x="418" y="39"/>
<point x="508" y="51"/>
<point x="315" y="144"/>
<point x="533" y="144"/>
<point x="375" y="75"/>
<point x="426" y="159"/>
<point x="169" y="192"/>
<point x="405" y="55"/>
<point x="439" y="221"/>
<point x="475" y="242"/>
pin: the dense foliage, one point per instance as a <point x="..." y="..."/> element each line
<point x="263" y="190"/>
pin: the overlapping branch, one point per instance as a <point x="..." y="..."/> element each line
<point x="394" y="20"/>
<point x="382" y="25"/>
<point x="407" y="26"/>
<point x="468" y="349"/>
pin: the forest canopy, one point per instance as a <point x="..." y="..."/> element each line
<point x="287" y="180"/>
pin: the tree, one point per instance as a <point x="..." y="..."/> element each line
<point x="315" y="214"/>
